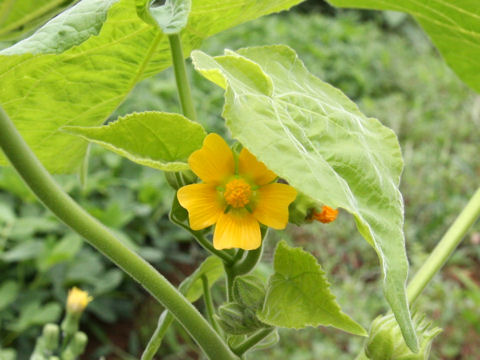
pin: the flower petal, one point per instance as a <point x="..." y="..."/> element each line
<point x="252" y="169"/>
<point x="214" y="161"/>
<point x="237" y="229"/>
<point x="203" y="204"/>
<point x="272" y="206"/>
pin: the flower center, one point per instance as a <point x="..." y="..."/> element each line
<point x="237" y="193"/>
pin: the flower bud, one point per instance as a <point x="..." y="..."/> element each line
<point x="386" y="341"/>
<point x="299" y="211"/>
<point x="235" y="319"/>
<point x="75" y="347"/>
<point x="249" y="291"/>
<point x="325" y="215"/>
<point x="50" y="336"/>
<point x="77" y="300"/>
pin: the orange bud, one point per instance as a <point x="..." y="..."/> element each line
<point x="327" y="215"/>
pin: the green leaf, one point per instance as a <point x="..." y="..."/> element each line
<point x="298" y="294"/>
<point x="192" y="288"/>
<point x="63" y="251"/>
<point x="159" y="140"/>
<point x="171" y="17"/>
<point x="86" y="18"/>
<point x="312" y="135"/>
<point x="453" y="26"/>
<point x="33" y="313"/>
<point x="24" y="251"/>
<point x="79" y="67"/>
<point x="8" y="293"/>
<point x="18" y="17"/>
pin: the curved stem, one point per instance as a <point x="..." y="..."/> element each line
<point x="164" y="322"/>
<point x="207" y="245"/>
<point x="445" y="247"/>
<point x="241" y="267"/>
<point x="66" y="209"/>
<point x="238" y="255"/>
<point x="252" y="341"/>
<point x="249" y="261"/>
<point x="183" y="86"/>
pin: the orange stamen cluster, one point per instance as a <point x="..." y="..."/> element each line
<point x="327" y="215"/>
<point x="237" y="193"/>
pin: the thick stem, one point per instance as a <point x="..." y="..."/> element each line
<point x="445" y="247"/>
<point x="207" y="297"/>
<point x="67" y="210"/>
<point x="183" y="86"/>
<point x="164" y="321"/>
<point x="252" y="341"/>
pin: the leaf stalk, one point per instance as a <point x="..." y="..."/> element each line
<point x="445" y="247"/>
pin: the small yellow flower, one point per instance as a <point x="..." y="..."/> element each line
<point x="234" y="196"/>
<point x="77" y="300"/>
<point x="327" y="215"/>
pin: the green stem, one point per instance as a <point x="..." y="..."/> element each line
<point x="229" y="278"/>
<point x="252" y="341"/>
<point x="67" y="210"/>
<point x="207" y="297"/>
<point x="238" y="255"/>
<point x="183" y="86"/>
<point x="249" y="261"/>
<point x="207" y="245"/>
<point x="242" y="266"/>
<point x="445" y="247"/>
<point x="164" y="322"/>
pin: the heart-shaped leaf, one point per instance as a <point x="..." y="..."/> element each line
<point x="159" y="140"/>
<point x="298" y="294"/>
<point x="312" y="135"/>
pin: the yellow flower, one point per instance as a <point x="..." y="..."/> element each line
<point x="77" y="300"/>
<point x="234" y="195"/>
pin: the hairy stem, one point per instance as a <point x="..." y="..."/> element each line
<point x="207" y="297"/>
<point x="183" y="86"/>
<point x="445" y="247"/>
<point x="164" y="322"/>
<point x="67" y="210"/>
<point x="252" y="341"/>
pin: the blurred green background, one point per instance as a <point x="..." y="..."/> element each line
<point x="382" y="61"/>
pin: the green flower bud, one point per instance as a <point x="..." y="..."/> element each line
<point x="236" y="319"/>
<point x="79" y="343"/>
<point x="75" y="347"/>
<point x="172" y="180"/>
<point x="178" y="179"/>
<point x="299" y="211"/>
<point x="50" y="335"/>
<point x="385" y="340"/>
<point x="249" y="291"/>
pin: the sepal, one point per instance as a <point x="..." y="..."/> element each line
<point x="386" y="342"/>
<point x="249" y="291"/>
